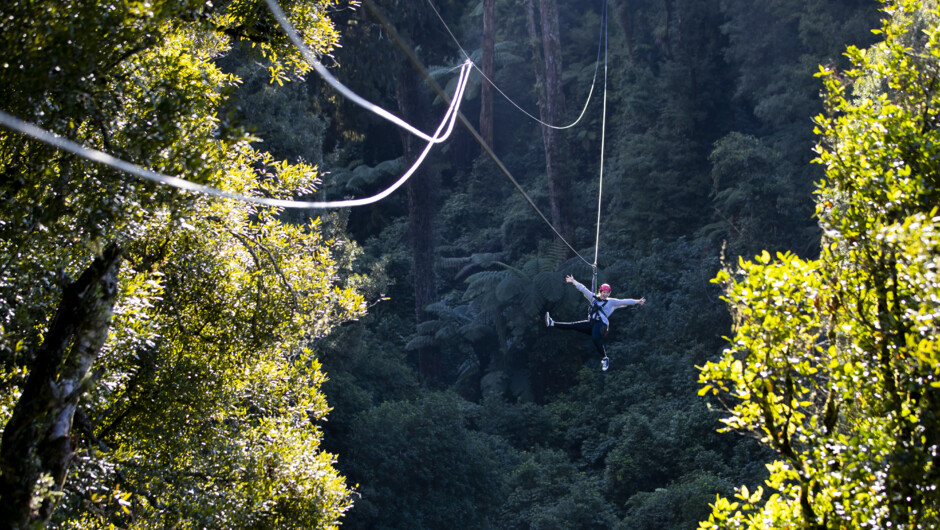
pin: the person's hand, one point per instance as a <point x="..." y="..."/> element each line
<point x="641" y="301"/>
<point x="569" y="278"/>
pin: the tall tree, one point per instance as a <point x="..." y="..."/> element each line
<point x="834" y="361"/>
<point x="771" y="100"/>
<point x="423" y="197"/>
<point x="623" y="14"/>
<point x="37" y="448"/>
<point x="423" y="188"/>
<point x="545" y="40"/>
<point x="489" y="68"/>
<point x="174" y="362"/>
<point x="672" y="108"/>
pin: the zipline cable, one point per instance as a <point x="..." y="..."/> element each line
<point x="601" y="37"/>
<point x="311" y="58"/>
<point x="94" y="155"/>
<point x="409" y="53"/>
<point x="452" y="114"/>
<point x="600" y="185"/>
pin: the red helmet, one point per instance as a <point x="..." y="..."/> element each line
<point x="604" y="287"/>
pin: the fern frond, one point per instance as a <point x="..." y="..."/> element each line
<point x="468" y="366"/>
<point x="558" y="251"/>
<point x="578" y="268"/>
<point x="447" y="331"/>
<point x="486" y="259"/>
<point x="429" y="327"/>
<point x="510" y="288"/>
<point x="482" y="284"/>
<point x="474" y="331"/>
<point x="510" y="268"/>
<point x="464" y="313"/>
<point x="421" y="341"/>
<point x="453" y="263"/>
<point x="531" y="302"/>
<point x="439" y="308"/>
<point x="390" y="167"/>
<point x="550" y="285"/>
<point x="489" y="277"/>
<point x="438" y="71"/>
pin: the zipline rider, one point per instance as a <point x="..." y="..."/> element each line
<point x="598" y="322"/>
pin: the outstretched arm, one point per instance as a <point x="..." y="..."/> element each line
<point x="621" y="302"/>
<point x="584" y="290"/>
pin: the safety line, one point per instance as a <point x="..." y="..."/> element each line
<point x="409" y="53"/>
<point x="600" y="185"/>
<point x="106" y="159"/>
<point x="509" y="99"/>
<point x="328" y="77"/>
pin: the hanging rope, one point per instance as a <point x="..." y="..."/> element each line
<point x="601" y="38"/>
<point x="94" y="155"/>
<point x="311" y="58"/>
<point x="602" y="42"/>
<point x="600" y="185"/>
<point x="409" y="53"/>
<point x="451" y="115"/>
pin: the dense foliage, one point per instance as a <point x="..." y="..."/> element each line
<point x="709" y="144"/>
<point x="834" y="361"/>
<point x="152" y="343"/>
<point x="451" y="404"/>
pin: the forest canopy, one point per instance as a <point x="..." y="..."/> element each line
<point x="834" y="362"/>
<point x="155" y="369"/>
<point x="169" y="359"/>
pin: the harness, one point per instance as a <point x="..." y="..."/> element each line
<point x="596" y="307"/>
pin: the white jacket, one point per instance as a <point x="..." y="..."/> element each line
<point x="604" y="309"/>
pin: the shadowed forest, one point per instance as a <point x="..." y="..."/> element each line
<point x="768" y="183"/>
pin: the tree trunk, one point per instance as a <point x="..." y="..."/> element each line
<point x="667" y="35"/>
<point x="548" y="68"/>
<point x="489" y="59"/>
<point x="622" y="10"/>
<point x="423" y="198"/>
<point x="37" y="445"/>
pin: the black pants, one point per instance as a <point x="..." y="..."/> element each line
<point x="595" y="328"/>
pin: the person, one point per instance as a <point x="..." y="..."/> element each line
<point x="598" y="322"/>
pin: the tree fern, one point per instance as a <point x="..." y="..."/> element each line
<point x="429" y="327"/>
<point x="364" y="175"/>
<point x="420" y="341"/>
<point x="476" y="330"/>
<point x="551" y="286"/>
<point x="466" y="264"/>
<point x="446" y="331"/>
<point x="510" y="288"/>
<point x="482" y="283"/>
<point x="537" y="265"/>
<point x="439" y="308"/>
